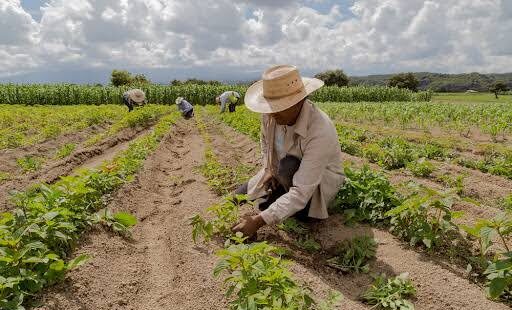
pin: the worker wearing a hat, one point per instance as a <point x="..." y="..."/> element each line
<point x="302" y="169"/>
<point x="185" y="107"/>
<point x="134" y="97"/>
<point x="228" y="98"/>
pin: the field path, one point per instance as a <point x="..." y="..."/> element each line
<point x="161" y="268"/>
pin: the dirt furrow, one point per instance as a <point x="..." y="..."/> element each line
<point x="160" y="268"/>
<point x="83" y="157"/>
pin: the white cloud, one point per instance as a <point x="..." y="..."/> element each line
<point x="371" y="36"/>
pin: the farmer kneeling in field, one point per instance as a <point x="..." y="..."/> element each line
<point x="302" y="170"/>
<point x="134" y="97"/>
<point x="185" y="107"/>
<point x="229" y="98"/>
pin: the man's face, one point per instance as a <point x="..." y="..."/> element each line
<point x="289" y="116"/>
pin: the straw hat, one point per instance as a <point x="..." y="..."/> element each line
<point x="137" y="95"/>
<point x="281" y="88"/>
<point x="178" y="100"/>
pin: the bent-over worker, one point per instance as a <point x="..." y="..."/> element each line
<point x="134" y="97"/>
<point x="185" y="107"/>
<point x="229" y="98"/>
<point x="302" y="169"/>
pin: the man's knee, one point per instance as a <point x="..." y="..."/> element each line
<point x="288" y="166"/>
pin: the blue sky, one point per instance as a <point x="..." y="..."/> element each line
<point x="32" y="7"/>
<point x="83" y="40"/>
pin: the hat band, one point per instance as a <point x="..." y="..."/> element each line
<point x="280" y="96"/>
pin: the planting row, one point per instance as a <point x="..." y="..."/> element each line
<point x="35" y="158"/>
<point x="494" y="119"/>
<point x="22" y="125"/>
<point x="66" y="94"/>
<point x="36" y="238"/>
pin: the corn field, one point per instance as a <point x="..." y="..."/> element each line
<point x="68" y="94"/>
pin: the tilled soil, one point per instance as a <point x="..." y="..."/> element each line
<point x="160" y="268"/>
<point x="85" y="157"/>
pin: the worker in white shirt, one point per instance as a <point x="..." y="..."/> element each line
<point x="302" y="169"/>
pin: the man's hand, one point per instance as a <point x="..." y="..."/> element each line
<point x="249" y="225"/>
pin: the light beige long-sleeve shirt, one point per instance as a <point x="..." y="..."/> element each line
<point x="314" y="140"/>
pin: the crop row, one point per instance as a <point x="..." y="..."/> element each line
<point x="67" y="94"/>
<point x="420" y="216"/>
<point x="391" y="152"/>
<point x="36" y="237"/>
<point x="21" y="125"/>
<point x="494" y="119"/>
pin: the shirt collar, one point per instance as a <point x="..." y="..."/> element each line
<point x="301" y="125"/>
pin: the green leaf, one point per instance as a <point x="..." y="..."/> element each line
<point x="496" y="287"/>
<point x="78" y="261"/>
<point x="125" y="218"/>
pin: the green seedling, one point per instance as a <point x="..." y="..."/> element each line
<point x="354" y="255"/>
<point x="390" y="293"/>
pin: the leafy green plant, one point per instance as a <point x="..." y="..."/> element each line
<point x="499" y="270"/>
<point x="301" y="232"/>
<point x="65" y="150"/>
<point x="354" y="255"/>
<point x="258" y="278"/>
<point x="37" y="236"/>
<point x="420" y="167"/>
<point x="29" y="163"/>
<point x="507" y="202"/>
<point x="308" y="244"/>
<point x="4" y="176"/>
<point x="424" y="217"/>
<point x="391" y="293"/>
<point x="119" y="222"/>
<point x="365" y="196"/>
<point x="499" y="276"/>
<point x="225" y="215"/>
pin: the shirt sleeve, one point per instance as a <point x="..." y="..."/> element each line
<point x="305" y="181"/>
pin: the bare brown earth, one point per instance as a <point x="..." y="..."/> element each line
<point x="53" y="169"/>
<point x="162" y="269"/>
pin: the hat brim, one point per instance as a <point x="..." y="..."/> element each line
<point x="137" y="99"/>
<point x="255" y="101"/>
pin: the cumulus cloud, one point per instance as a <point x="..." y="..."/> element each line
<point x="228" y="37"/>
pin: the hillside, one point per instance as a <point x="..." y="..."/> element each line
<point x="441" y="82"/>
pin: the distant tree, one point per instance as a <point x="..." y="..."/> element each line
<point x="333" y="78"/>
<point x="498" y="87"/>
<point x="175" y="82"/>
<point x="404" y="80"/>
<point x="120" y="77"/>
<point x="140" y="79"/>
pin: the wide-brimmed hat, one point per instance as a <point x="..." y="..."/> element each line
<point x="178" y="100"/>
<point x="281" y="88"/>
<point x="136" y="95"/>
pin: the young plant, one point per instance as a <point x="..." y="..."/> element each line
<point x="499" y="270"/>
<point x="420" y="167"/>
<point x="119" y="222"/>
<point x="424" y="218"/>
<point x="301" y="232"/>
<point x="225" y="215"/>
<point x="4" y="176"/>
<point x="365" y="196"/>
<point x="258" y="278"/>
<point x="65" y="150"/>
<point x="354" y="255"/>
<point x="29" y="163"/>
<point x="390" y="293"/>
